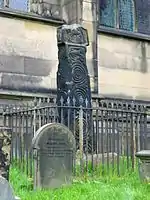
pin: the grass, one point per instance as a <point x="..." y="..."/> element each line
<point x="126" y="187"/>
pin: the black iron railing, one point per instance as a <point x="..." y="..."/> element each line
<point x="117" y="130"/>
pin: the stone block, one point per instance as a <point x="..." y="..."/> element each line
<point x="144" y="165"/>
<point x="70" y="17"/>
<point x="119" y="60"/>
<point x="120" y="45"/>
<point x="21" y="82"/>
<point x="11" y="63"/>
<point x="37" y="67"/>
<point x="46" y="8"/>
<point x="31" y="39"/>
<point x="88" y="8"/>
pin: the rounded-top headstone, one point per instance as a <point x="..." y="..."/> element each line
<point x="54" y="151"/>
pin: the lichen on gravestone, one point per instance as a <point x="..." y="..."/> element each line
<point x="54" y="151"/>
<point x="5" y="145"/>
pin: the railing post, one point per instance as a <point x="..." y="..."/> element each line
<point x="81" y="136"/>
<point x="138" y="133"/>
<point x="34" y="118"/>
<point x="4" y="117"/>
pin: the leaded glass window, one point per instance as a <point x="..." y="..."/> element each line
<point x="125" y="15"/>
<point x="107" y="13"/>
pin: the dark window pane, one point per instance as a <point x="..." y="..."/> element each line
<point x="108" y="13"/>
<point x="1" y="3"/>
<point x="21" y="5"/>
<point x="126" y="15"/>
<point x="143" y="16"/>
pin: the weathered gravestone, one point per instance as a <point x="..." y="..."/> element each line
<point x="5" y="149"/>
<point x="6" y="191"/>
<point x="54" y="151"/>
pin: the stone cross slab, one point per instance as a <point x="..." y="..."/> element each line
<point x="73" y="81"/>
<point x="72" y="76"/>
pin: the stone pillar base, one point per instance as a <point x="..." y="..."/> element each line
<point x="144" y="165"/>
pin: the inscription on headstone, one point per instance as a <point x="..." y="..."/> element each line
<point x="54" y="150"/>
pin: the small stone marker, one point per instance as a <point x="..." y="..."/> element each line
<point x="144" y="165"/>
<point x="6" y="191"/>
<point x="54" y="152"/>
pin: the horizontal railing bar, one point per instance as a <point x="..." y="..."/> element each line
<point x="73" y="107"/>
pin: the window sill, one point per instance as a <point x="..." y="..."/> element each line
<point x="7" y="12"/>
<point x="127" y="34"/>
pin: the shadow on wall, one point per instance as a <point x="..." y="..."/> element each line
<point x="144" y="66"/>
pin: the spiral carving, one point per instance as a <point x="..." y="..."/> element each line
<point x="79" y="75"/>
<point x="72" y="34"/>
<point x="73" y="83"/>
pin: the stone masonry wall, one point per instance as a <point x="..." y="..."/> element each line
<point x="117" y="66"/>
<point x="28" y="55"/>
<point x="123" y="67"/>
<point x="88" y="19"/>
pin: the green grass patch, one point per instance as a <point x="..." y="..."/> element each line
<point x="126" y="187"/>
